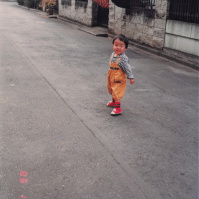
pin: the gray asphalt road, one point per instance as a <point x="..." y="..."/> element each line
<point x="57" y="137"/>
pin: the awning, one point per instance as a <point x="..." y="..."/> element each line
<point x="122" y="3"/>
<point x="102" y="3"/>
<point x="133" y="3"/>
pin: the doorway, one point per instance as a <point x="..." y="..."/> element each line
<point x="102" y="16"/>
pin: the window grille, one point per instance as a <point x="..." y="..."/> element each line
<point x="142" y="3"/>
<point x="140" y="6"/>
<point x="184" y="10"/>
<point x="81" y="3"/>
<point x="66" y="2"/>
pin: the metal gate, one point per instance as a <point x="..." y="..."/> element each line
<point x="184" y="10"/>
<point x="102" y="16"/>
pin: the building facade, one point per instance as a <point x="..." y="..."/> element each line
<point x="149" y="22"/>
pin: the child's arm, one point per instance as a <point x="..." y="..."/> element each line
<point x="125" y="66"/>
<point x="131" y="81"/>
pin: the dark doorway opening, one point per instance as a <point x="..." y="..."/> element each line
<point x="102" y="16"/>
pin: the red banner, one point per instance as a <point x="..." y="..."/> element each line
<point x="102" y="3"/>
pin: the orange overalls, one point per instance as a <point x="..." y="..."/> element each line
<point x="116" y="81"/>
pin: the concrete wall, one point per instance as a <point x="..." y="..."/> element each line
<point x="80" y="11"/>
<point x="182" y="36"/>
<point x="145" y="26"/>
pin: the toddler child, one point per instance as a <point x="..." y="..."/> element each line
<point x="118" y="73"/>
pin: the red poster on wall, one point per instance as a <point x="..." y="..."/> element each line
<point x="102" y="3"/>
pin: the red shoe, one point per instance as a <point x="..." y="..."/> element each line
<point x="116" y="111"/>
<point x="111" y="104"/>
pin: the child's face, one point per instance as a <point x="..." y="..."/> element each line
<point x="119" y="47"/>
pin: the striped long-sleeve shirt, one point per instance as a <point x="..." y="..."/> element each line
<point x="123" y="64"/>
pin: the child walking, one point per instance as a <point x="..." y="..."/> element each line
<point x="118" y="73"/>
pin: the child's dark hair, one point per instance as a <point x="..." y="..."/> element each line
<point x="122" y="38"/>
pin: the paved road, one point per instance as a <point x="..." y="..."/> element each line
<point x="58" y="139"/>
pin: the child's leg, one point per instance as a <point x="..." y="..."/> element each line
<point x="109" y="82"/>
<point x="117" y="110"/>
<point x="111" y="103"/>
<point x="118" y="92"/>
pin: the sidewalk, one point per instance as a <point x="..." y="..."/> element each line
<point x="95" y="30"/>
<point x="104" y="32"/>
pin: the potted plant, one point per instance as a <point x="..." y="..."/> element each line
<point x="49" y="6"/>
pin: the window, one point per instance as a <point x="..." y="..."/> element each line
<point x="142" y="3"/>
<point x="146" y="6"/>
<point x="81" y="3"/>
<point x="66" y="2"/>
<point x="184" y="10"/>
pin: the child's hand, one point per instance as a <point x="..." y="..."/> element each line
<point x="131" y="81"/>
